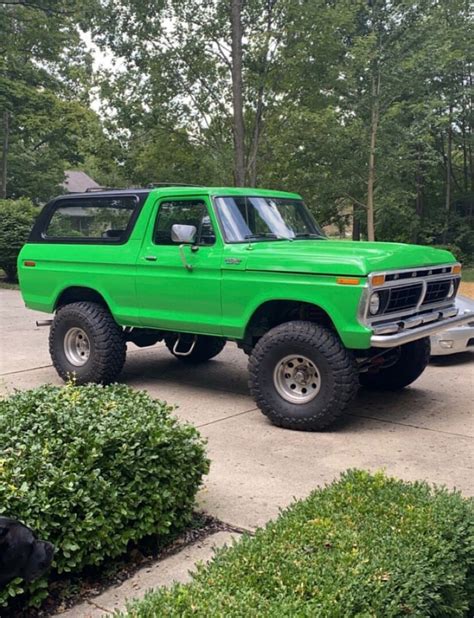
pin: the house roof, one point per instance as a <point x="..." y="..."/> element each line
<point x="77" y="182"/>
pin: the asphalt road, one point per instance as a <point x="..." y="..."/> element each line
<point x="424" y="432"/>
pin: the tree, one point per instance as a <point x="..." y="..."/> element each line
<point x="44" y="82"/>
<point x="363" y="113"/>
<point x="237" y="94"/>
<point x="202" y="67"/>
<point x="16" y="221"/>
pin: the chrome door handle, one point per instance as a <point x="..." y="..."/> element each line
<point x="150" y="258"/>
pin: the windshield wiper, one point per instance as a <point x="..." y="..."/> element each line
<point x="308" y="235"/>
<point x="265" y="235"/>
<point x="260" y="235"/>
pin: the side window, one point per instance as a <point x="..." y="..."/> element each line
<point x="183" y="212"/>
<point x="105" y="219"/>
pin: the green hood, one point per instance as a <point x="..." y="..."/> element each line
<point x="338" y="257"/>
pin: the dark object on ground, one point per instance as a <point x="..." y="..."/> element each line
<point x="68" y="589"/>
<point x="21" y="553"/>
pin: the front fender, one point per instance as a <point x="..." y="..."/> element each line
<point x="243" y="294"/>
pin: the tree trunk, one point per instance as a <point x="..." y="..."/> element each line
<point x="449" y="149"/>
<point x="464" y="156"/>
<point x="6" y="131"/>
<point x="237" y="97"/>
<point x="252" y="164"/>
<point x="374" y="122"/>
<point x="355" y="223"/>
<point x="259" y="112"/>
<point x="419" y="192"/>
<point x="467" y="144"/>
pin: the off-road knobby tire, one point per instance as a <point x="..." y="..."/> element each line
<point x="107" y="343"/>
<point x="206" y="348"/>
<point x="336" y="365"/>
<point x="413" y="359"/>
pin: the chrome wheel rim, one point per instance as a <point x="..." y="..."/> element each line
<point x="297" y="379"/>
<point x="77" y="346"/>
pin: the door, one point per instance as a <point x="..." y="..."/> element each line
<point x="179" y="285"/>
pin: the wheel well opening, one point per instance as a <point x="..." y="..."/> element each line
<point x="276" y="312"/>
<point x="77" y="294"/>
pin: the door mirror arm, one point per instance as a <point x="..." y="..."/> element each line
<point x="186" y="265"/>
<point x="186" y="235"/>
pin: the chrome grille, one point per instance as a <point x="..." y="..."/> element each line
<point x="413" y="292"/>
<point x="436" y="291"/>
<point x="404" y="297"/>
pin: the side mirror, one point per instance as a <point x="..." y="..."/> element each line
<point x="184" y="234"/>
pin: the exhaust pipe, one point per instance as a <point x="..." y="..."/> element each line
<point x="44" y="322"/>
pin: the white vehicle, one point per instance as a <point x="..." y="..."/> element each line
<point x="459" y="338"/>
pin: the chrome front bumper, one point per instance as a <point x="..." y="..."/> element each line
<point x="393" y="334"/>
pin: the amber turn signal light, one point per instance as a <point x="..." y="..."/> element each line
<point x="347" y="281"/>
<point x="378" y="280"/>
<point x="457" y="269"/>
<point x="29" y="263"/>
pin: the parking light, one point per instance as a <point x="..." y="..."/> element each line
<point x="378" y="280"/>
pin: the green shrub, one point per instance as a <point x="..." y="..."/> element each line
<point x="16" y="220"/>
<point x="366" y="545"/>
<point x="91" y="468"/>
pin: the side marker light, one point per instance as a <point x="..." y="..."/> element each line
<point x="347" y="281"/>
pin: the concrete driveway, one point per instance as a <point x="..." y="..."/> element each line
<point x="425" y="432"/>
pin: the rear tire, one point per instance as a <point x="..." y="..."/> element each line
<point x="413" y="359"/>
<point x="205" y="348"/>
<point x="301" y="376"/>
<point x="87" y="344"/>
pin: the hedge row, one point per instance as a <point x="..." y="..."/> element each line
<point x="16" y="220"/>
<point x="92" y="468"/>
<point x="363" y="546"/>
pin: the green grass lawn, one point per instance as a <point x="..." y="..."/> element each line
<point x="468" y="274"/>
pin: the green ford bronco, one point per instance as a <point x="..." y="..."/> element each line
<point x="197" y="267"/>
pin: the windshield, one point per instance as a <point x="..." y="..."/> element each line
<point x="248" y="218"/>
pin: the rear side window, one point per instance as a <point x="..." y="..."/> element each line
<point x="100" y="219"/>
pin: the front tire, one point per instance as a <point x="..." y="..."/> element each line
<point x="413" y="359"/>
<point x="301" y="376"/>
<point x="87" y="344"/>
